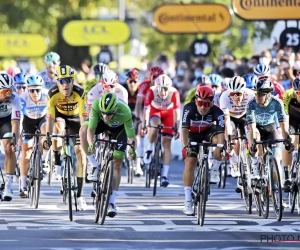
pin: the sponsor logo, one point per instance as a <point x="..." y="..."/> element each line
<point x="185" y="115"/>
<point x="221" y="121"/>
<point x="18" y="114"/>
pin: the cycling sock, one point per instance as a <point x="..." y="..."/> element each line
<point x="165" y="170"/>
<point x="141" y="142"/>
<point x="113" y="197"/>
<point x="254" y="160"/>
<point x="57" y="158"/>
<point x="92" y="160"/>
<point x="79" y="186"/>
<point x="44" y="156"/>
<point x="188" y="193"/>
<point x="23" y="181"/>
<point x="286" y="172"/>
<point x="9" y="179"/>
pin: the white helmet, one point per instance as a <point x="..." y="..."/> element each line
<point x="34" y="80"/>
<point x="100" y="68"/>
<point x="163" y="81"/>
<point x="261" y="70"/>
<point x="6" y="81"/>
<point x="237" y="84"/>
<point x="109" y="78"/>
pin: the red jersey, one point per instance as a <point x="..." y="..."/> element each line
<point x="143" y="87"/>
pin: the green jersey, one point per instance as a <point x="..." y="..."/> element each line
<point x="122" y="117"/>
<point x="190" y="96"/>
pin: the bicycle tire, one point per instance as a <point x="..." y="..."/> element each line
<point x="202" y="192"/>
<point x="223" y="175"/>
<point x="247" y="198"/>
<point x="97" y="197"/>
<point x="277" y="195"/>
<point x="69" y="187"/>
<point x="294" y="190"/>
<point x="298" y="191"/>
<point x="263" y="184"/>
<point x="37" y="181"/>
<point x="74" y="185"/>
<point x="156" y="166"/>
<point x="31" y="177"/>
<point x="50" y="161"/>
<point x="106" y="190"/>
<point x="132" y="171"/>
<point x="17" y="169"/>
<point x="127" y="166"/>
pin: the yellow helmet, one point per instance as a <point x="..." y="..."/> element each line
<point x="64" y="71"/>
<point x="80" y="78"/>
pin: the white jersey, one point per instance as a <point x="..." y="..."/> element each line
<point x="48" y="82"/>
<point x="32" y="110"/>
<point x="97" y="91"/>
<point x="11" y="108"/>
<point x="229" y="108"/>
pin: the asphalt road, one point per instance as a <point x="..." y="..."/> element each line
<point x="144" y="221"/>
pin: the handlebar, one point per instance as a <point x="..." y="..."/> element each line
<point x="270" y="141"/>
<point x="112" y="141"/>
<point x="206" y="144"/>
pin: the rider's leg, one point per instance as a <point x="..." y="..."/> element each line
<point x="24" y="166"/>
<point x="58" y="129"/>
<point x="167" y="157"/>
<point x="46" y="168"/>
<point x="80" y="168"/>
<point x="215" y="172"/>
<point x="152" y="137"/>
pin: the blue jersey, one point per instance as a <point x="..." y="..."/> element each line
<point x="32" y="110"/>
<point x="267" y="115"/>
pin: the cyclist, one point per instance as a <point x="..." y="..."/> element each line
<point x="108" y="84"/>
<point x="20" y="85"/>
<point x="154" y="72"/>
<point x="261" y="115"/>
<point x="34" y="111"/>
<point x="250" y="80"/>
<point x="132" y="88"/>
<point x="9" y="123"/>
<point x="66" y="106"/>
<point x="216" y="82"/>
<point x="110" y="114"/>
<point x="201" y="120"/>
<point x="201" y="81"/>
<point x="80" y="78"/>
<point x="262" y="70"/>
<point x="52" y="61"/>
<point x="162" y="106"/>
<point x="233" y="103"/>
<point x="13" y="71"/>
<point x="291" y="100"/>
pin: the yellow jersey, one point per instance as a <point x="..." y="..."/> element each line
<point x="61" y="106"/>
<point x="288" y="96"/>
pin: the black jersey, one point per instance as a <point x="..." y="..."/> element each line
<point x="131" y="98"/>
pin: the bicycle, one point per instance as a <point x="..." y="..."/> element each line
<point x="294" y="174"/>
<point x="2" y="186"/>
<point x="130" y="169"/>
<point x="201" y="184"/>
<point x="269" y="182"/>
<point x="103" y="186"/>
<point x="35" y="171"/>
<point x="153" y="170"/>
<point x="69" y="180"/>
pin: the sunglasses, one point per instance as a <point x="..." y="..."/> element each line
<point x="109" y="86"/>
<point x="261" y="94"/>
<point x="160" y="89"/>
<point x="34" y="90"/>
<point x="51" y="63"/>
<point x="20" y="87"/>
<point x="232" y="94"/>
<point x="153" y="77"/>
<point x="65" y="80"/>
<point x="6" y="91"/>
<point x="205" y="104"/>
<point x="98" y="77"/>
<point x="297" y="92"/>
<point x="108" y="114"/>
<point x="132" y="81"/>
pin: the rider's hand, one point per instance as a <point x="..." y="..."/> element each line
<point x="252" y="150"/>
<point x="91" y="149"/>
<point x="47" y="144"/>
<point x="176" y="135"/>
<point x="289" y="146"/>
<point x="185" y="152"/>
<point x="143" y="131"/>
<point x="14" y="147"/>
<point x="131" y="154"/>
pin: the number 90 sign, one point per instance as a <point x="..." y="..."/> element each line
<point x="290" y="37"/>
<point x="200" y="47"/>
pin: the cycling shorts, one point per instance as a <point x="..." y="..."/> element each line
<point x="166" y="117"/>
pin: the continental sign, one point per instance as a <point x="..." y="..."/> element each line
<point x="23" y="45"/>
<point x="96" y="32"/>
<point x="191" y="18"/>
<point x="267" y="9"/>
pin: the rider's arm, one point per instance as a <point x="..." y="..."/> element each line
<point x="282" y="119"/>
<point x="251" y="121"/>
<point x="50" y="115"/>
<point x="147" y="106"/>
<point x="124" y="94"/>
<point x="228" y="129"/>
<point x="185" y="125"/>
<point x="15" y="115"/>
<point x="138" y="106"/>
<point x="83" y="112"/>
<point x="176" y="102"/>
<point x="93" y="121"/>
<point x="224" y="106"/>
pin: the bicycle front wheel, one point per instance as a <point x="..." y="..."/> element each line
<point x="202" y="192"/>
<point x="276" y="192"/>
<point x="263" y="186"/>
<point x="247" y="197"/>
<point x="31" y="178"/>
<point x="292" y="195"/>
<point x="37" y="179"/>
<point x="156" y="169"/>
<point x="106" y="190"/>
<point x="223" y="175"/>
<point x="68" y="165"/>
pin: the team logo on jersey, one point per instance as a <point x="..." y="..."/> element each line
<point x="18" y="114"/>
<point x="221" y="120"/>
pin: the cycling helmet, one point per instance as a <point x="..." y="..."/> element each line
<point x="250" y="80"/>
<point x="205" y="92"/>
<point x="109" y="78"/>
<point x="215" y="79"/>
<point x="155" y="72"/>
<point x="261" y="69"/>
<point x="64" y="71"/>
<point x="34" y="80"/>
<point x="163" y="81"/>
<point x="108" y="103"/>
<point x="132" y="74"/>
<point x="264" y="84"/>
<point x="225" y="82"/>
<point x="80" y="78"/>
<point x="52" y="57"/>
<point x="13" y="71"/>
<point x="237" y="84"/>
<point x="6" y="81"/>
<point x="203" y="80"/>
<point x="296" y="83"/>
<point x="100" y="68"/>
<point x="20" y="78"/>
